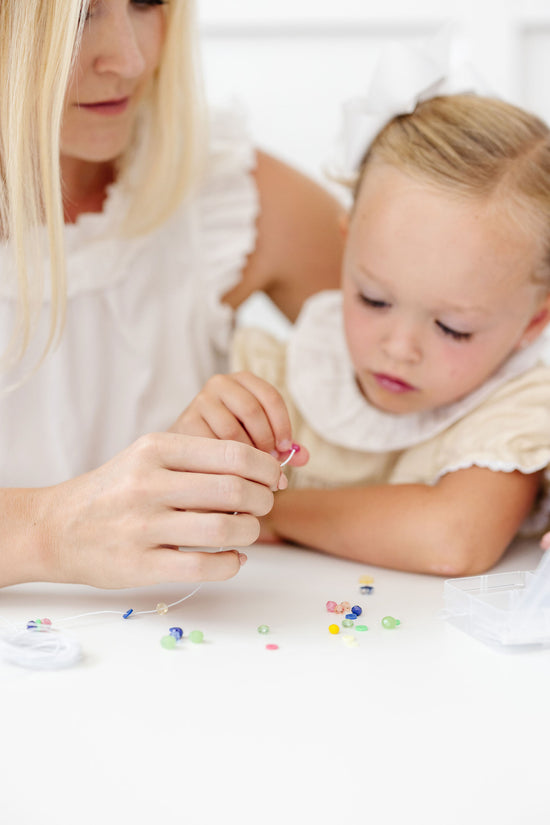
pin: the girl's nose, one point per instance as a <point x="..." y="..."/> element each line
<point x="401" y="343"/>
<point x="119" y="50"/>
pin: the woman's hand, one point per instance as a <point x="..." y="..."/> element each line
<point x="242" y="407"/>
<point x="122" y="524"/>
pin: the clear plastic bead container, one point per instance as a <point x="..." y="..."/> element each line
<point x="502" y="608"/>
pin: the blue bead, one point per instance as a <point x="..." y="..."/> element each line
<point x="366" y="588"/>
<point x="128" y="613"/>
<point x="351" y="616"/>
<point x="31" y="625"/>
<point x="176" y="632"/>
<point x="356" y="609"/>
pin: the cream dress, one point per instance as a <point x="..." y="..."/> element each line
<point x="504" y="425"/>
<point x="145" y="324"/>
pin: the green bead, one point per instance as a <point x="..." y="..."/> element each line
<point x="263" y="628"/>
<point x="196" y="636"/>
<point x="389" y="622"/>
<point x="361" y="627"/>
<point x="347" y="622"/>
<point x="168" y="642"/>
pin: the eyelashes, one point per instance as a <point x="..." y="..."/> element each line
<point x="455" y="334"/>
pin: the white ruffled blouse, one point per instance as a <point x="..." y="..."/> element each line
<point x="145" y="324"/>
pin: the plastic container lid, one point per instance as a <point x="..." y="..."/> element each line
<point x="502" y="608"/>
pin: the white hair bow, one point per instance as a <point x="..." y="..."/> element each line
<point x="403" y="76"/>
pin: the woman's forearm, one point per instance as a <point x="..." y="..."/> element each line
<point x="24" y="538"/>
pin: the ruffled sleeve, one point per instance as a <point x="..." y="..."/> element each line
<point x="509" y="431"/>
<point x="226" y="220"/>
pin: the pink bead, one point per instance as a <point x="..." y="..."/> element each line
<point x="46" y="621"/>
<point x="331" y="607"/>
<point x="339" y="609"/>
<point x="346" y="606"/>
<point x="272" y="647"/>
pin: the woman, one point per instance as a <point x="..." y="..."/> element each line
<point x="132" y="229"/>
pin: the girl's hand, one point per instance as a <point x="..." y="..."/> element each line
<point x="242" y="407"/>
<point x="545" y="541"/>
<point x="122" y="524"/>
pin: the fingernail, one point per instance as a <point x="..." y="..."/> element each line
<point x="274" y="453"/>
<point x="242" y="559"/>
<point x="284" y="446"/>
<point x="283" y="482"/>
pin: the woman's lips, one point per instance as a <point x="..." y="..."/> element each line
<point x="391" y="384"/>
<point x="107" y="107"/>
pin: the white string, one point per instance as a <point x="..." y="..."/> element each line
<point x="122" y="612"/>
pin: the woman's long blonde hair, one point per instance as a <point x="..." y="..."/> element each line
<point x="39" y="44"/>
<point x="475" y="147"/>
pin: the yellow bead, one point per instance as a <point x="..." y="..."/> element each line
<point x="333" y="628"/>
<point x="162" y="608"/>
<point x="366" y="579"/>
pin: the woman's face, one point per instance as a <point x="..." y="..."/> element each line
<point x="120" y="52"/>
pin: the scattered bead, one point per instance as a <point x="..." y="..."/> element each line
<point x="356" y="610"/>
<point x="365" y="589"/>
<point x="47" y="621"/>
<point x="351" y="616"/>
<point x="31" y="625"/>
<point x="263" y="628"/>
<point x="389" y="622"/>
<point x="346" y="606"/>
<point x="339" y="608"/>
<point x="129" y="613"/>
<point x="333" y="628"/>
<point x="331" y="607"/>
<point x="366" y="579"/>
<point x="162" y="608"/>
<point x="349" y="640"/>
<point x="168" y="642"/>
<point x="176" y="632"/>
<point x="361" y="627"/>
<point x="272" y="647"/>
<point x="347" y="623"/>
<point x="196" y="636"/>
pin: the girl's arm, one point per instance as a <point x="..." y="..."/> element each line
<point x="459" y="527"/>
<point x="299" y="243"/>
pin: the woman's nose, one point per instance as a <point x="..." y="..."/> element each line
<point x="119" y="51"/>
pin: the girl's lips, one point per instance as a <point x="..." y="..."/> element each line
<point x="107" y="107"/>
<point x="391" y="384"/>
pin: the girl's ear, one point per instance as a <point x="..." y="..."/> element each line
<point x="537" y="323"/>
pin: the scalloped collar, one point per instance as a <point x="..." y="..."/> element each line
<point x="322" y="384"/>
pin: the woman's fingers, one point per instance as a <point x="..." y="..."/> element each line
<point x="203" y="455"/>
<point x="165" y="565"/>
<point x="190" y="529"/>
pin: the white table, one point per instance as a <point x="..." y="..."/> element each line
<point x="422" y="724"/>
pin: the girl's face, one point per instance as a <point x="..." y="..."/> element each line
<point x="121" y="48"/>
<point x="437" y="291"/>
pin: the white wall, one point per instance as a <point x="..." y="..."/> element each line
<point x="293" y="62"/>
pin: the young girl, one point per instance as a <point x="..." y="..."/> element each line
<point x="417" y="388"/>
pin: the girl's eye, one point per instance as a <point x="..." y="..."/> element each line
<point x="371" y="302"/>
<point x="453" y="333"/>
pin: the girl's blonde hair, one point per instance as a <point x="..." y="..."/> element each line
<point x="475" y="147"/>
<point x="40" y="41"/>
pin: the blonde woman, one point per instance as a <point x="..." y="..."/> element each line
<point x="419" y="386"/>
<point x="132" y="227"/>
